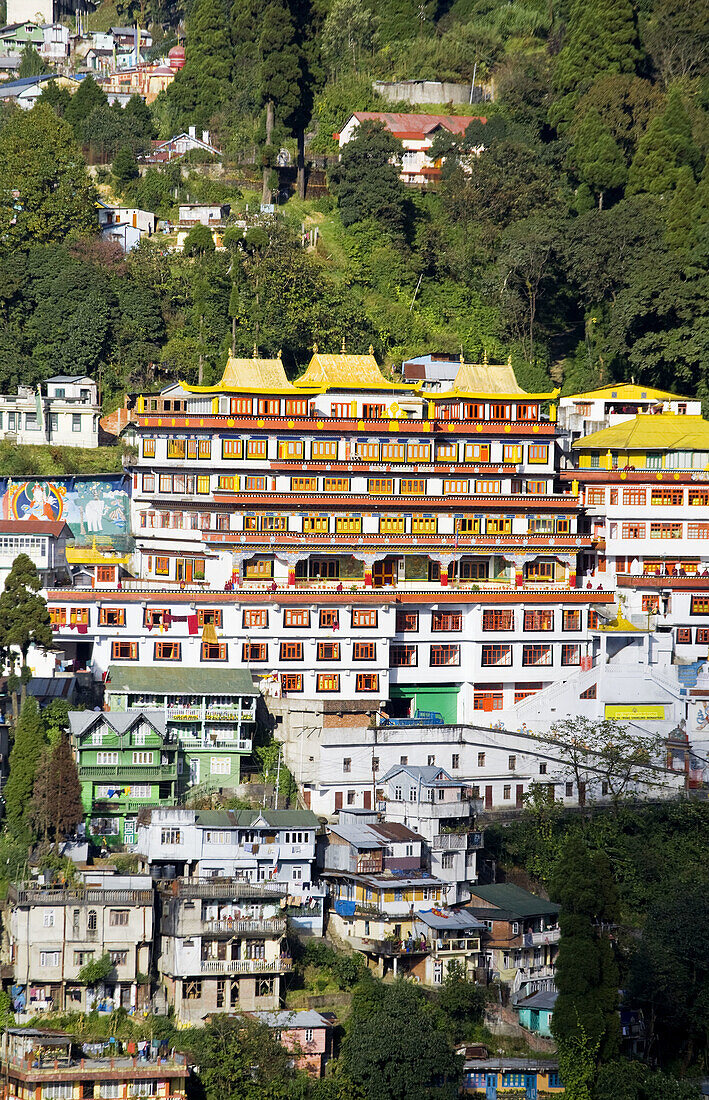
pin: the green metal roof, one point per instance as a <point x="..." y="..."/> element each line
<point x="282" y="819"/>
<point x="513" y="899"/>
<point x="141" y="680"/>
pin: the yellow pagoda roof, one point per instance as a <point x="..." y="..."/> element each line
<point x="91" y="555"/>
<point x="627" y="391"/>
<point x="483" y="379"/>
<point x="244" y="375"/>
<point x="665" y="431"/>
<point x="347" y="372"/>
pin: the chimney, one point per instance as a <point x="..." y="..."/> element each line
<point x="193" y="131"/>
<point x="205" y="137"/>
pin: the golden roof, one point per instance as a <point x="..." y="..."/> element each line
<point x="347" y="372"/>
<point x="663" y="431"/>
<point x="483" y="379"/>
<point x="254" y="375"/>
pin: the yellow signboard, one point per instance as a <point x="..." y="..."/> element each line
<point x="629" y="710"/>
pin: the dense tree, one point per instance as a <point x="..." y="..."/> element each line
<point x="601" y="38"/>
<point x="606" y="753"/>
<point x="367" y="179"/>
<point x="394" y="1049"/>
<point x="625" y="103"/>
<point x="87" y="97"/>
<point x="346" y="35"/>
<point x="31" y="63"/>
<point x="47" y="191"/>
<point x="670" y="975"/>
<point x="240" y="1057"/>
<point x="124" y="167"/>
<point x="55" y="96"/>
<point x="198" y="241"/>
<point x="585" y="1021"/>
<point x="666" y="146"/>
<point x="280" y="76"/>
<point x="201" y="88"/>
<point x="597" y="157"/>
<point x="462" y="1000"/>
<point x="56" y="795"/>
<point x="677" y="37"/>
<point x="25" y="755"/>
<point x="680" y="211"/>
<point x="626" y="1080"/>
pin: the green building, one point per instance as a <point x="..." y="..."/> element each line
<point x="536" y="1011"/>
<point x="15" y="36"/>
<point x="209" y="713"/>
<point x="127" y="762"/>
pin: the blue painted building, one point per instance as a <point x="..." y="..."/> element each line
<point x="535" y="1012"/>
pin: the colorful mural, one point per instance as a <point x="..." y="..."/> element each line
<point x="94" y="507"/>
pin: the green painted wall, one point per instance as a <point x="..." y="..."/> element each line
<point x="439" y="697"/>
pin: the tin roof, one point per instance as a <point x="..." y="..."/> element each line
<point x="180" y="681"/>
<point x="346" y="372"/>
<point x="626" y="391"/>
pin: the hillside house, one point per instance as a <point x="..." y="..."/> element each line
<point x="416" y="133"/>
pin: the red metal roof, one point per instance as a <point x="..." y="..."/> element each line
<point x="35" y="527"/>
<point x="417" y="126"/>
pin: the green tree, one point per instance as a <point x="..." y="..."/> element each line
<point x="241" y="1058"/>
<point x="625" y="102"/>
<point x="96" y="970"/>
<point x="56" y="798"/>
<point x="125" y="167"/>
<point x="395" y="1049"/>
<point x="55" y="96"/>
<point x="602" y="38"/>
<point x="46" y="192"/>
<point x="665" y="147"/>
<point x="597" y="157"/>
<point x="585" y="1021"/>
<point x="462" y="1000"/>
<point x="676" y="34"/>
<point x="201" y="88"/>
<point x="346" y="35"/>
<point x="367" y="180"/>
<point x="87" y="97"/>
<point x="198" y="241"/>
<point x="24" y="619"/>
<point x="680" y="211"/>
<point x="31" y="64"/>
<point x="25" y="755"/>
<point x="280" y="77"/>
<point x="606" y="753"/>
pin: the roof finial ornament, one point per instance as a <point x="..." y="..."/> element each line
<point x="462" y="357"/>
<point x="484" y="357"/>
<point x="509" y="360"/>
<point x="255" y="352"/>
<point x="280" y="353"/>
<point x="371" y="349"/>
<point x="343" y="346"/>
<point x="315" y="349"/>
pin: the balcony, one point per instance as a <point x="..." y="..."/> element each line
<point x="448" y="842"/>
<point x="211" y="714"/>
<point x="191" y="742"/>
<point x="125" y="772"/>
<point x="229" y="888"/>
<point x="539" y="939"/>
<point x="246" y="966"/>
<point x="275" y="927"/>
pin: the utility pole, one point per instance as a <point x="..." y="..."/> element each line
<point x="374" y="779"/>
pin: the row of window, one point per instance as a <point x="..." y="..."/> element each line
<point x="201" y="485"/>
<point x="349" y="524"/>
<point x="32" y="424"/>
<point x="684" y="635"/>
<point x="364" y="450"/>
<point x="351" y="410"/>
<point x="250" y="651"/>
<point x="639" y="496"/>
<point x="639" y="530"/>
<point x="406" y="656"/>
<point x="218" y="765"/>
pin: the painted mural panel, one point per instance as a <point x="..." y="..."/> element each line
<point x="95" y="507"/>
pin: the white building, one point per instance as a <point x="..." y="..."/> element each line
<point x="416" y="133"/>
<point x="56" y="43"/>
<point x="50" y="933"/>
<point x="126" y="225"/>
<point x="43" y="541"/>
<point x="65" y="415"/>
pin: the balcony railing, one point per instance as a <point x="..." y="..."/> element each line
<point x="538" y="939"/>
<point x="222" y="888"/>
<point x="39" y="895"/>
<point x="246" y="966"/>
<point x="447" y="842"/>
<point x="274" y="927"/>
<point x="128" y="771"/>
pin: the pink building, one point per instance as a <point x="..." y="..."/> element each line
<point x="307" y="1034"/>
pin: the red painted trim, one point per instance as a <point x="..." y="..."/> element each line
<point x="335" y="425"/>
<point x="330" y="596"/>
<point x="679" y="584"/>
<point x="370" y="503"/>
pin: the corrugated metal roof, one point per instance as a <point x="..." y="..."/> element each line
<point x="282" y="819"/>
<point x="543" y="998"/>
<point x="359" y="836"/>
<point x="181" y="681"/>
<point x="449" y="918"/>
<point x="285" y="1019"/>
<point x="665" y="431"/>
<point x="513" y="899"/>
<point x="427" y="774"/>
<point x="413" y="125"/>
<point x="392" y="830"/>
<point x="118" y="720"/>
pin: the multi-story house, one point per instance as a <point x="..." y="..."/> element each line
<point x="51" y="932"/>
<point x="210" y="713"/>
<point x="66" y="415"/>
<point x="54" y="1064"/>
<point x="360" y="538"/>
<point x="376" y="880"/>
<point x="643" y="484"/>
<point x="449" y="936"/>
<point x="45" y="542"/>
<point x="127" y="762"/>
<point x="442" y="810"/>
<point x="585" y="413"/>
<point x="223" y="946"/>
<point x="249" y="845"/>
<point x="523" y="935"/>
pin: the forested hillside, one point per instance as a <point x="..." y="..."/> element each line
<point x="577" y="241"/>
